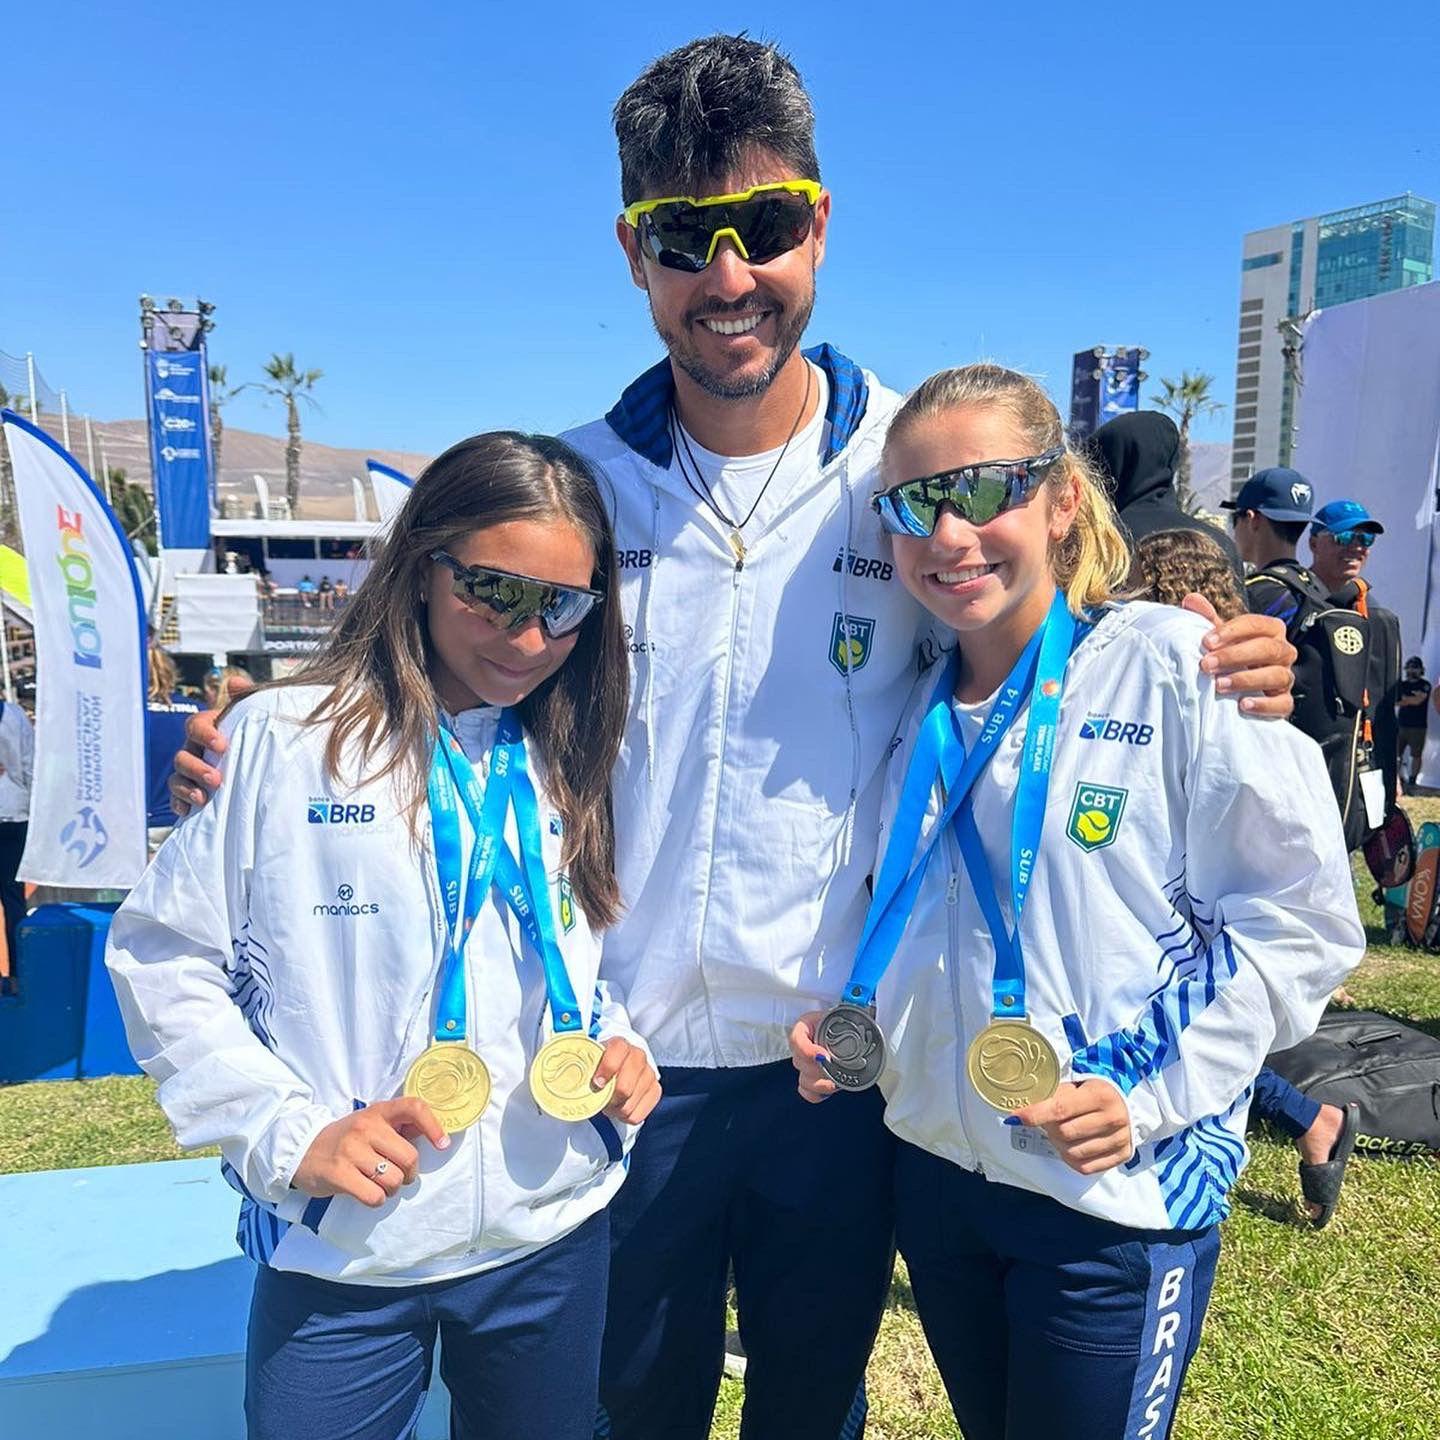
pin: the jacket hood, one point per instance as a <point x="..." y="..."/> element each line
<point x="1138" y="454"/>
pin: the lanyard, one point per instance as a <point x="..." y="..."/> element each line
<point x="451" y="770"/>
<point x="896" y="890"/>
<point x="1028" y="820"/>
<point x="526" y="890"/>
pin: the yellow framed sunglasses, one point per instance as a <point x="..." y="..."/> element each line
<point x="682" y="232"/>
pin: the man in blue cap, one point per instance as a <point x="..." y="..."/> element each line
<point x="1271" y="513"/>
<point x="1340" y="539"/>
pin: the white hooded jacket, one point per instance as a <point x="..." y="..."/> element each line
<point x="276" y="970"/>
<point x="764" y="698"/>
<point x="1190" y="911"/>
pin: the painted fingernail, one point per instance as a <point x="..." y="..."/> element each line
<point x="1010" y="1120"/>
<point x="821" y="1058"/>
<point x="443" y="1143"/>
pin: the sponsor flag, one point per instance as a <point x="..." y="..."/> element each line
<point x="87" y="802"/>
<point x="178" y="389"/>
<point x="390" y="487"/>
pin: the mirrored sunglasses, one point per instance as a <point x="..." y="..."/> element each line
<point x="510" y="600"/>
<point x="1364" y="538"/>
<point x="683" y="232"/>
<point x="978" y="493"/>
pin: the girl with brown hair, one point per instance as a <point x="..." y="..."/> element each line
<point x="369" y="971"/>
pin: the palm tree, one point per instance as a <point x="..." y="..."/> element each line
<point x="133" y="508"/>
<point x="221" y="394"/>
<point x="1185" y="399"/>
<point x="289" y="384"/>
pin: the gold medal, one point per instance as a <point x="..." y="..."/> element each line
<point x="453" y="1081"/>
<point x="1012" y="1065"/>
<point x="560" y="1077"/>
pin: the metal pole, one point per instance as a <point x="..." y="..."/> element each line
<point x="90" y="446"/>
<point x="5" y="653"/>
<point x="30" y="371"/>
<point x="105" y="471"/>
<point x="64" y="419"/>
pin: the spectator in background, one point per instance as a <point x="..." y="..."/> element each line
<point x="1138" y="454"/>
<point x="327" y="593"/>
<point x="166" y="711"/>
<point x="1412" y="720"/>
<point x="17" y="757"/>
<point x="342" y="591"/>
<point x="306" y="590"/>
<point x="1270" y="515"/>
<point x="1340" y="539"/>
<point x="227" y="684"/>
<point x="1168" y="566"/>
<point x="1171" y="564"/>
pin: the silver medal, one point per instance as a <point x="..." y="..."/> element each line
<point x="854" y="1046"/>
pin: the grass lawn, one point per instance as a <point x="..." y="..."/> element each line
<point x="1328" y="1336"/>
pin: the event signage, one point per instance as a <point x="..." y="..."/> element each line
<point x="177" y="386"/>
<point x="87" y="799"/>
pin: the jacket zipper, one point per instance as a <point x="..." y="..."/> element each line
<point x="719" y="787"/>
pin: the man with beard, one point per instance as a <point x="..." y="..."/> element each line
<point x="755" y="581"/>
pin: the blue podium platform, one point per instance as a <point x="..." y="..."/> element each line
<point x="125" y="1307"/>
<point x="65" y="1023"/>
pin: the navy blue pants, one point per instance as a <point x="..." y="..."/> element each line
<point x="1285" y="1107"/>
<point x="1047" y="1324"/>
<point x="734" y="1170"/>
<point x="519" y="1349"/>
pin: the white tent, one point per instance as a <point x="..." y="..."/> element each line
<point x="1369" y="430"/>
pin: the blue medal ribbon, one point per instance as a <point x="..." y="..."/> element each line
<point x="524" y="885"/>
<point x="1028" y="821"/>
<point x="897" y="887"/>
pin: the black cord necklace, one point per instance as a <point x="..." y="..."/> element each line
<point x="706" y="496"/>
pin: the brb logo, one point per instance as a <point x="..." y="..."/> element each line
<point x="322" y="810"/>
<point x="85" y="837"/>
<point x="1124" y="732"/>
<point x="79" y="572"/>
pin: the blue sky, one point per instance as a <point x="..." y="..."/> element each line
<point x="419" y="199"/>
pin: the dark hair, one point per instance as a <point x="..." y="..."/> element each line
<point x="698" y="112"/>
<point x="376" y="659"/>
<point x="1171" y="564"/>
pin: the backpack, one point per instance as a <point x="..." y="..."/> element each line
<point x="1330" y="693"/>
<point x="1389" y="1068"/>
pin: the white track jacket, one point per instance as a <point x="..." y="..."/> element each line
<point x="764" y="698"/>
<point x="1191" y="910"/>
<point x="276" y="969"/>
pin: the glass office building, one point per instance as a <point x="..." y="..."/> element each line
<point x="1288" y="271"/>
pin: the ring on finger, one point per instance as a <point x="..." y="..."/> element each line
<point x="380" y="1169"/>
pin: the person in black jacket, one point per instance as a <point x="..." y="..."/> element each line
<point x="1138" y="453"/>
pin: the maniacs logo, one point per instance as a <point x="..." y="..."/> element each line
<point x="851" y="640"/>
<point x="1095" y="815"/>
<point x="85" y="837"/>
<point x="322" y="810"/>
<point x="1123" y="732"/>
<point x="634" y="646"/>
<point x="345" y="904"/>
<point x="79" y="572"/>
<point x="862" y="567"/>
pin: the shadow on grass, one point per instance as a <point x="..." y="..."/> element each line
<point x="902" y="1297"/>
<point x="1269" y="1207"/>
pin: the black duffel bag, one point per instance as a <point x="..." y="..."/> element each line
<point x="1390" y="1069"/>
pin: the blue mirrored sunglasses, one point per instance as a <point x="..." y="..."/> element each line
<point x="978" y="493"/>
